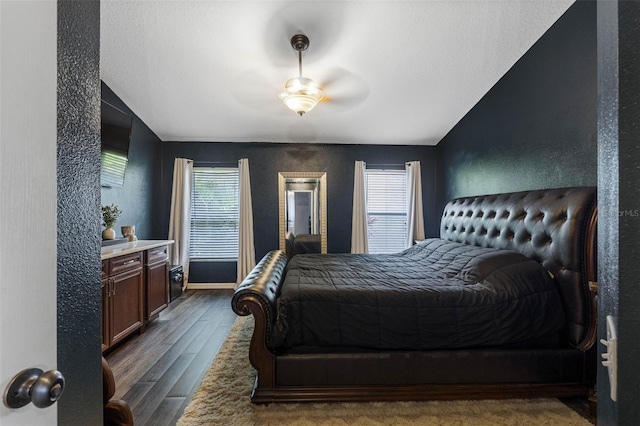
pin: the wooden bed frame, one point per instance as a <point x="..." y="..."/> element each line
<point x="556" y="227"/>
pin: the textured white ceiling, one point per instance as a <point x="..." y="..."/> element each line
<point x="395" y="72"/>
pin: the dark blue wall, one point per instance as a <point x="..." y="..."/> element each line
<point x="619" y="203"/>
<point x="608" y="193"/>
<point x="267" y="159"/>
<point x="139" y="198"/>
<point x="629" y="216"/>
<point x="536" y="128"/>
<point x="78" y="242"/>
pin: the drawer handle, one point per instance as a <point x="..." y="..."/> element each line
<point x="129" y="262"/>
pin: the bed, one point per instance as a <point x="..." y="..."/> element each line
<point x="502" y="305"/>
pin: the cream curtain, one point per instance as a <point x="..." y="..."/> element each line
<point x="415" y="216"/>
<point x="180" y="216"/>
<point x="359" y="241"/>
<point x="246" y="249"/>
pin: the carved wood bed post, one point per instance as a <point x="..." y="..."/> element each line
<point x="256" y="295"/>
<point x="261" y="358"/>
<point x="591" y="275"/>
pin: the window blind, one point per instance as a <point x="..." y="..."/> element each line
<point x="386" y="210"/>
<point x="112" y="166"/>
<point x="214" y="213"/>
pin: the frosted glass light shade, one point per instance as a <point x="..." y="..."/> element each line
<point x="301" y="94"/>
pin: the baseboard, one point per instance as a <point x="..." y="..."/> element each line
<point x="211" y="286"/>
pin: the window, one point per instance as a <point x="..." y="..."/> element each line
<point x="214" y="213"/>
<point x="386" y="210"/>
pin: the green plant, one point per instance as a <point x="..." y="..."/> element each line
<point x="110" y="215"/>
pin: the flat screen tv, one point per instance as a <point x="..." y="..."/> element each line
<point x="115" y="133"/>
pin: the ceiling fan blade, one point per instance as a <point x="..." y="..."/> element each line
<point x="257" y="90"/>
<point x="343" y="89"/>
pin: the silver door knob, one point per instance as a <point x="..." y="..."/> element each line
<point x="34" y="385"/>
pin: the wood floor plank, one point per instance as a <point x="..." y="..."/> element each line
<point x="221" y="316"/>
<point x="136" y="394"/>
<point x="229" y="317"/>
<point x="168" y="358"/>
<point x="176" y="324"/>
<point x="145" y="410"/>
<point x="192" y="377"/>
<point x="133" y="370"/>
<point x="166" y="413"/>
<point x="201" y="339"/>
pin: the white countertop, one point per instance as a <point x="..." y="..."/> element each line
<point x="125" y="248"/>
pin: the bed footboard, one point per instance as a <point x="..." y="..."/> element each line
<point x="257" y="295"/>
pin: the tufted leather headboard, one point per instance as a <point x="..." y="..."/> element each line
<point x="555" y="227"/>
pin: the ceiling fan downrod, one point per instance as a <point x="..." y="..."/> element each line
<point x="300" y="42"/>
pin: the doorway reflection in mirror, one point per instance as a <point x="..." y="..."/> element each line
<point x="302" y="197"/>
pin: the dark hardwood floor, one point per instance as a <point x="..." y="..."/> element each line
<point x="158" y="371"/>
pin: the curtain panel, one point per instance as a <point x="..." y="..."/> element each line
<point x="359" y="240"/>
<point x="415" y="215"/>
<point x="180" y="215"/>
<point x="246" y="249"/>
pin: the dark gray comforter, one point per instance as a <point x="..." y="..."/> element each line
<point x="438" y="294"/>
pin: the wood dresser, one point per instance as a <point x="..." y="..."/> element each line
<point x="135" y="287"/>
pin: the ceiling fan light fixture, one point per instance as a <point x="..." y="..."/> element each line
<point x="301" y="94"/>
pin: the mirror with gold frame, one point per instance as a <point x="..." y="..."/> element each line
<point x="302" y="200"/>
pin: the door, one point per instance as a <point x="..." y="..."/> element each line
<point x="157" y="289"/>
<point x="27" y="198"/>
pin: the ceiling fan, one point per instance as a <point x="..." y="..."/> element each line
<point x="337" y="90"/>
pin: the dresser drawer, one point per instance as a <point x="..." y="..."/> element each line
<point x="127" y="262"/>
<point x="158" y="254"/>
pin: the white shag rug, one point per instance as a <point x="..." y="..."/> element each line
<point x="223" y="399"/>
